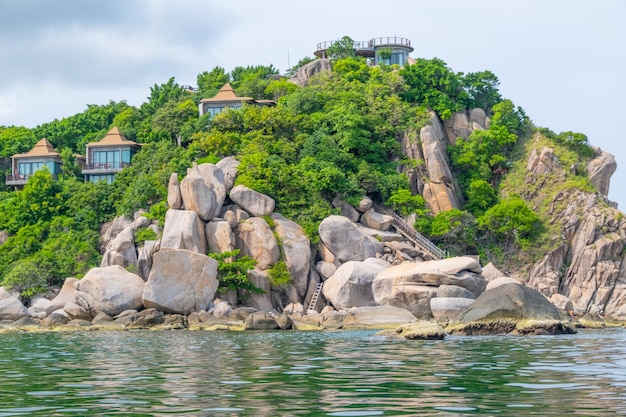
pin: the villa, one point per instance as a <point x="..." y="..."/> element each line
<point x="226" y="98"/>
<point x="388" y="50"/>
<point x="108" y="156"/>
<point x="24" y="165"/>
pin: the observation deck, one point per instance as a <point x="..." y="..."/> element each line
<point x="369" y="49"/>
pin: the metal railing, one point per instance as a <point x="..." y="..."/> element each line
<point x="370" y="44"/>
<point x="105" y="166"/>
<point x="413" y="235"/>
<point x="23" y="178"/>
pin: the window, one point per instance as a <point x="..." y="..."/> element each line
<point x="108" y="178"/>
<point x="28" y="168"/>
<point x="106" y="159"/>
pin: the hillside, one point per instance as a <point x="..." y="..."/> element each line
<point x="443" y="149"/>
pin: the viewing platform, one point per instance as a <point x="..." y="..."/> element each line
<point x="397" y="49"/>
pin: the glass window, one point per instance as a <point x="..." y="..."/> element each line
<point x="126" y="157"/>
<point x="106" y="159"/>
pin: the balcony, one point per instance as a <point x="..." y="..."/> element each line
<point x="104" y="167"/>
<point x="18" y="180"/>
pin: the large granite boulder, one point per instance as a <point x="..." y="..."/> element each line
<point x="255" y="239"/>
<point x="449" y="308"/>
<point x="375" y="220"/>
<point x="305" y="72"/>
<point x="346" y="242"/>
<point x="346" y="209"/>
<point x="203" y="190"/>
<point x="462" y="271"/>
<point x="174" y="198"/>
<point x="66" y="295"/>
<point x="11" y="309"/>
<point x="109" y="230"/>
<point x="180" y="282"/>
<point x="260" y="320"/>
<point x="144" y="259"/>
<point x="512" y="308"/>
<point x="296" y="250"/>
<point x="543" y="162"/>
<point x="600" y="169"/>
<point x="111" y="289"/>
<point x="263" y="301"/>
<point x="229" y="167"/>
<point x="351" y="285"/>
<point x="184" y="230"/>
<point x="252" y="201"/>
<point x="121" y="249"/>
<point x="220" y="236"/>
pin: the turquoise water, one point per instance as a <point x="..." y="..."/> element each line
<point x="184" y="373"/>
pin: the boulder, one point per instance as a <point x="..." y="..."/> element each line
<point x="600" y="169"/>
<point x="234" y="215"/>
<point x="375" y="220"/>
<point x="351" y="285"/>
<point x="454" y="291"/>
<point x="562" y="302"/>
<point x="181" y="281"/>
<point x="184" y="230"/>
<point x="460" y="271"/>
<point x="395" y="246"/>
<point x="4" y="293"/>
<point x="325" y="269"/>
<point x="109" y="230"/>
<point x="346" y="209"/>
<point x="203" y="190"/>
<point x="378" y="317"/>
<point x="64" y="296"/>
<point x="174" y="198"/>
<point x="4" y="236"/>
<point x="346" y="242"/>
<point x="121" y="249"/>
<point x="543" y="162"/>
<point x="305" y="72"/>
<point x="409" y="296"/>
<point x="490" y="272"/>
<point x="12" y="309"/>
<point x="502" y="309"/>
<point x="111" y="289"/>
<point x="261" y="302"/>
<point x="144" y="260"/>
<point x="365" y="204"/>
<point x="56" y="318"/>
<point x="222" y="309"/>
<point x="260" y="320"/>
<point x="382" y="236"/>
<point x="255" y="239"/>
<point x="478" y="118"/>
<point x="220" y="236"/>
<point x="102" y="318"/>
<point x="38" y="306"/>
<point x="229" y="167"/>
<point x="253" y="202"/>
<point x="500" y="281"/>
<point x="296" y="250"/>
<point x="449" y="308"/>
<point x="76" y="312"/>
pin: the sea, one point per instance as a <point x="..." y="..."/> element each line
<point x="296" y="373"/>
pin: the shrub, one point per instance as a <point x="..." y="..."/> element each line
<point x="279" y="275"/>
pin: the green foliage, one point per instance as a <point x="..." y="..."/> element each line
<point x="40" y="200"/>
<point x="575" y="141"/>
<point x="405" y="202"/>
<point x="482" y="88"/>
<point x="252" y="81"/>
<point x="511" y="223"/>
<point x="279" y="275"/>
<point x="27" y="277"/>
<point x="144" y="233"/>
<point x="14" y="140"/>
<point x="457" y="230"/>
<point x="343" y="48"/>
<point x="480" y="196"/>
<point x="232" y="271"/>
<point x="209" y="82"/>
<point x="433" y="84"/>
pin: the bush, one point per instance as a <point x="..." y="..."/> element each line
<point x="232" y="272"/>
<point x="279" y="275"/>
<point x="144" y="233"/>
<point x="511" y="223"/>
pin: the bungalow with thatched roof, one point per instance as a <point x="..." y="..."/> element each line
<point x="24" y="165"/>
<point x="108" y="156"/>
<point x="226" y="98"/>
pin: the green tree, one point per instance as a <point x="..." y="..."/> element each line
<point x="209" y="82"/>
<point x="511" y="223"/>
<point x="342" y="48"/>
<point x="232" y="272"/>
<point x="482" y="88"/>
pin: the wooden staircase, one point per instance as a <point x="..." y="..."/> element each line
<point x="316" y="296"/>
<point x="413" y="235"/>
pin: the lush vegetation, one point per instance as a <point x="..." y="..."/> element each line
<point x="338" y="136"/>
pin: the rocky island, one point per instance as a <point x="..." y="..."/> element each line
<point x="363" y="264"/>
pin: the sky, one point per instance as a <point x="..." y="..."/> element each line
<point x="562" y="61"/>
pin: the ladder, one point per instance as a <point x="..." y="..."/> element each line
<point x="316" y="296"/>
<point x="413" y="235"/>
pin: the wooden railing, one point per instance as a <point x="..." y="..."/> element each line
<point x="22" y="178"/>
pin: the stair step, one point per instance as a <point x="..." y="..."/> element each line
<point x="316" y="296"/>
